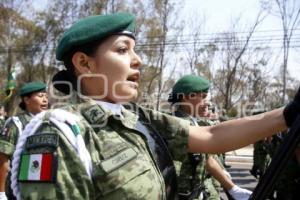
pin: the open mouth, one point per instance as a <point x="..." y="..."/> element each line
<point x="134" y="79"/>
<point x="44" y="106"/>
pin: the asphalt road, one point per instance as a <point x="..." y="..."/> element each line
<point x="241" y="176"/>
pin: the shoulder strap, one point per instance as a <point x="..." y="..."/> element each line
<point x="18" y="124"/>
<point x="16" y="121"/>
<point x="24" y="118"/>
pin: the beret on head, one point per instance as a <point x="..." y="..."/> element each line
<point x="189" y="84"/>
<point x="95" y="28"/>
<point x="29" y="88"/>
<point x="32" y="87"/>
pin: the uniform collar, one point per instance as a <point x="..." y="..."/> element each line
<point x="192" y="119"/>
<point x="113" y="108"/>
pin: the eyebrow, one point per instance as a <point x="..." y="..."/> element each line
<point x="125" y="40"/>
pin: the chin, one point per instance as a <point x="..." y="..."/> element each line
<point x="126" y="95"/>
<point x="128" y="98"/>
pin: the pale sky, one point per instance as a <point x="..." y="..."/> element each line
<point x="219" y="14"/>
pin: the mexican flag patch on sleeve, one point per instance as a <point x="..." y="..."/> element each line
<point x="38" y="167"/>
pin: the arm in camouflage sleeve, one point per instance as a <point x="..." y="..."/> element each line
<point x="235" y="134"/>
<point x="67" y="178"/>
<point x="8" y="138"/>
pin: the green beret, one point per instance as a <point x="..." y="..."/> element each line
<point x="189" y="84"/>
<point x="32" y="87"/>
<point x="95" y="28"/>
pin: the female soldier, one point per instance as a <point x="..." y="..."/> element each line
<point x="34" y="100"/>
<point x="189" y="98"/>
<point x="99" y="150"/>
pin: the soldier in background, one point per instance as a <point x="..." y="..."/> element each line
<point x="261" y="157"/>
<point x="200" y="173"/>
<point x="261" y="154"/>
<point x="223" y="117"/>
<point x="34" y="100"/>
<point x="209" y="119"/>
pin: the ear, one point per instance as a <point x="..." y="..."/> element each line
<point x="26" y="100"/>
<point x="81" y="62"/>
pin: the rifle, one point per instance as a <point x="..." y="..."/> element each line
<point x="279" y="162"/>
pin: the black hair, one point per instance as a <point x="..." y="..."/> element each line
<point x="69" y="74"/>
<point x="175" y="98"/>
<point x="22" y="105"/>
<point x="88" y="49"/>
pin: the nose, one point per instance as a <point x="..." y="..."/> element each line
<point x="45" y="98"/>
<point x="136" y="61"/>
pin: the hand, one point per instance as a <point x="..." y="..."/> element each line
<point x="239" y="193"/>
<point x="292" y="110"/>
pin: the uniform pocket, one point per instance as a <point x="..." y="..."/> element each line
<point x="114" y="172"/>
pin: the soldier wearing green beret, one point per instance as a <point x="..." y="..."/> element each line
<point x="261" y="153"/>
<point x="261" y="157"/>
<point x="189" y="98"/>
<point x="95" y="148"/>
<point x="33" y="101"/>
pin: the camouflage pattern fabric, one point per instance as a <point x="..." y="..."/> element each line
<point x="8" y="140"/>
<point x="211" y="190"/>
<point x="10" y="134"/>
<point x="2" y="121"/>
<point x="261" y="157"/>
<point x="123" y="167"/>
<point x="186" y="180"/>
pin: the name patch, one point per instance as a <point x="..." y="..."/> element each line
<point x="118" y="160"/>
<point x="41" y="140"/>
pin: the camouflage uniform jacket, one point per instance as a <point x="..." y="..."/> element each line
<point x="2" y="121"/>
<point x="10" y="133"/>
<point x="192" y="171"/>
<point x="122" y="165"/>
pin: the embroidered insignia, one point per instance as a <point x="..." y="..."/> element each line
<point x="41" y="140"/>
<point x="94" y="114"/>
<point x="38" y="167"/>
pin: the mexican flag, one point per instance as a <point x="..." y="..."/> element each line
<point x="37" y="167"/>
